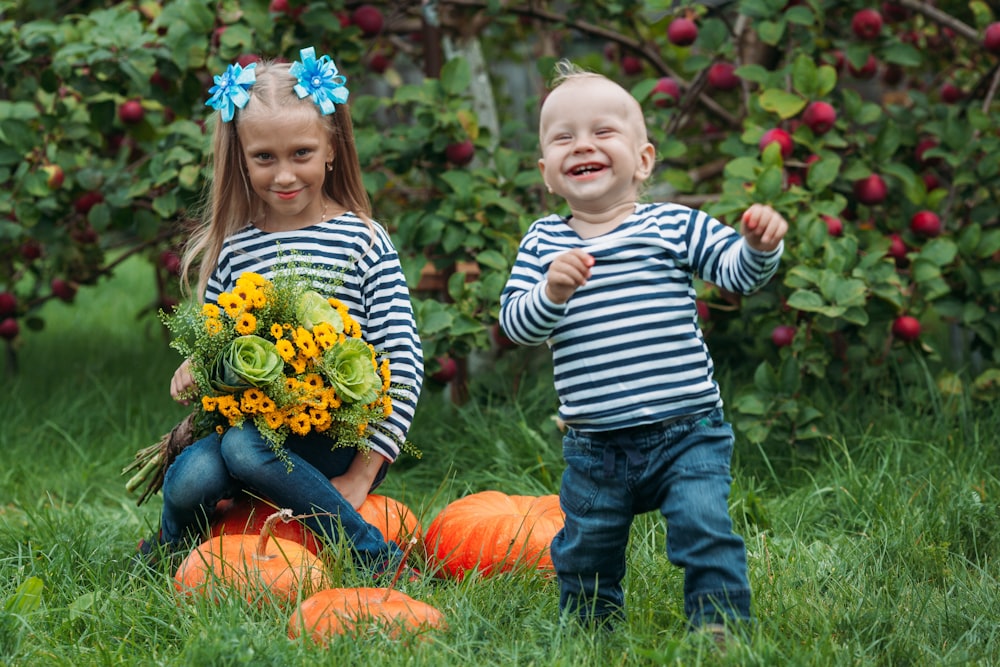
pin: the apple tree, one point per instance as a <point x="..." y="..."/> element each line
<point x="871" y="126"/>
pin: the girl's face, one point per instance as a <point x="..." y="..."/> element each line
<point x="286" y="161"/>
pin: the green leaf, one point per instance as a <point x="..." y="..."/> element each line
<point x="493" y="260"/>
<point x="781" y="102"/>
<point x="456" y="76"/>
<point x="26" y="598"/>
<point x="823" y="173"/>
<point x="811" y="302"/>
<point x="940" y="251"/>
<point x="770" y="182"/>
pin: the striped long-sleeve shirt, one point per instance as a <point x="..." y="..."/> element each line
<point x="627" y="349"/>
<point x="373" y="289"/>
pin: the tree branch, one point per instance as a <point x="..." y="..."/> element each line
<point x="942" y="18"/>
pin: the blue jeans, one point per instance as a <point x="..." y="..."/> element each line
<point x="680" y="468"/>
<point x="218" y="467"/>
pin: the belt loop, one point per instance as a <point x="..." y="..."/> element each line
<point x="609" y="461"/>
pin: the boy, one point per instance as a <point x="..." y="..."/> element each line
<point x="610" y="290"/>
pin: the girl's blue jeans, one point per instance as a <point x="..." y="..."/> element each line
<point x="218" y="467"/>
<point x="682" y="469"/>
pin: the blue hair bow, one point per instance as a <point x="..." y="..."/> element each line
<point x="230" y="90"/>
<point x="320" y="79"/>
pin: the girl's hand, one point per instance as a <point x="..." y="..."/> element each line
<point x="182" y="385"/>
<point x="568" y="271"/>
<point x="763" y="227"/>
<point x="357" y="481"/>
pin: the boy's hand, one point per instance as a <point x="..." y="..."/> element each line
<point x="568" y="271"/>
<point x="356" y="482"/>
<point x="763" y="227"/>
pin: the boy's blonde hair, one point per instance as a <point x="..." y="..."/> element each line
<point x="566" y="70"/>
<point x="231" y="202"/>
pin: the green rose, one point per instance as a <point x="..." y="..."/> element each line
<point x="249" y="361"/>
<point x="349" y="370"/>
<point x="313" y="308"/>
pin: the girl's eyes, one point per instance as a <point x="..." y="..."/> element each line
<point x="266" y="157"/>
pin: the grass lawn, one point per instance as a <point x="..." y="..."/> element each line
<point x="880" y="550"/>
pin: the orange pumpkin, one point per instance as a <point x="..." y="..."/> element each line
<point x="246" y="514"/>
<point x="335" y="611"/>
<point x="254" y="565"/>
<point x="395" y="521"/>
<point x="493" y="532"/>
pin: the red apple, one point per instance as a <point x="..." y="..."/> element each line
<point x="369" y="19"/>
<point x="631" y="65"/>
<point x="63" y="289"/>
<point x="866" y="71"/>
<point x="283" y="7"/>
<point x="460" y="153"/>
<point x="871" y="190"/>
<point x="897" y="248"/>
<point x="157" y="79"/>
<point x="9" y="328"/>
<point x="950" y="93"/>
<point x="446" y="372"/>
<point x="893" y="74"/>
<point x="820" y="117"/>
<point x="8" y="304"/>
<point x="991" y="38"/>
<point x="682" y="32"/>
<point x="245" y="59"/>
<point x="783" y="335"/>
<point x="926" y="224"/>
<point x="906" y="327"/>
<point x="379" y="62"/>
<point x="704" y="312"/>
<point x="87" y="201"/>
<point x="31" y="250"/>
<point x="867" y="24"/>
<point x="931" y="181"/>
<point x="170" y="261"/>
<point x="782" y="137"/>
<point x="922" y="147"/>
<point x="834" y="226"/>
<point x="131" y="112"/>
<point x="666" y="92"/>
<point x="721" y="76"/>
<point x="54" y="176"/>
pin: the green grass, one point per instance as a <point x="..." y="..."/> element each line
<point x="880" y="549"/>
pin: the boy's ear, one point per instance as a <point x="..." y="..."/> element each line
<point x="647" y="159"/>
<point x="541" y="169"/>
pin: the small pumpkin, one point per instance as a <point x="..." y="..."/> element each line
<point x="336" y="611"/>
<point x="493" y="532"/>
<point x="395" y="521"/>
<point x="246" y="514"/>
<point x="253" y="565"/>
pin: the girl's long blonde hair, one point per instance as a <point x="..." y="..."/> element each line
<point x="231" y="203"/>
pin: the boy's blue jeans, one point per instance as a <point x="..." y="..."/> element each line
<point x="681" y="469"/>
<point x="217" y="467"/>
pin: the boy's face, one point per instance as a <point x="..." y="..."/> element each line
<point x="286" y="163"/>
<point x="594" y="147"/>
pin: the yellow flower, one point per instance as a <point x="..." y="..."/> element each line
<point x="325" y="335"/>
<point x="252" y="279"/>
<point x="274" y="419"/>
<point x="232" y="304"/>
<point x="320" y="419"/>
<point x="213" y="326"/>
<point x="242" y="292"/>
<point x="210" y="310"/>
<point x="386" y="405"/>
<point x="331" y="399"/>
<point x="266" y="405"/>
<point x="285" y="349"/>
<point x="314" y="381"/>
<point x="305" y="342"/>
<point x="277" y="331"/>
<point x="299" y="423"/>
<point x="362" y="427"/>
<point x="208" y="403"/>
<point x="256" y="298"/>
<point x="219" y="429"/>
<point x="246" y="324"/>
<point x="299" y="364"/>
<point x="250" y="402"/>
<point x="386" y="375"/>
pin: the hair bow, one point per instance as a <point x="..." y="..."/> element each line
<point x="230" y="90"/>
<point x="320" y="79"/>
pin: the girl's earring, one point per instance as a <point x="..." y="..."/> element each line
<point x="329" y="166"/>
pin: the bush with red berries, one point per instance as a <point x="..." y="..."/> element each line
<point x="870" y="126"/>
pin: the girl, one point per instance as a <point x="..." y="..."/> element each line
<point x="286" y="181"/>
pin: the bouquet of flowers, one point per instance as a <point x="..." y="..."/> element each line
<point x="280" y="354"/>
